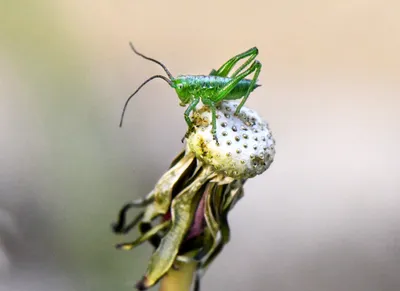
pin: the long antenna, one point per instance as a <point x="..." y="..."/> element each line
<point x="137" y="90"/>
<point x="153" y="60"/>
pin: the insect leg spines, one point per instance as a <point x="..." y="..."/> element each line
<point x="225" y="69"/>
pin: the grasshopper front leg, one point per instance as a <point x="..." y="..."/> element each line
<point x="213" y="109"/>
<point x="189" y="122"/>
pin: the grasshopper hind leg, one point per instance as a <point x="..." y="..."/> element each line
<point x="256" y="67"/>
<point x="227" y="67"/>
<point x="251" y="64"/>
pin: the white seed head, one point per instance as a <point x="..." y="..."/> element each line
<point x="246" y="147"/>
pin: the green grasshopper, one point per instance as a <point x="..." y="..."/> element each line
<point x="210" y="89"/>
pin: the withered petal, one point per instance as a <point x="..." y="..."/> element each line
<point x="183" y="208"/>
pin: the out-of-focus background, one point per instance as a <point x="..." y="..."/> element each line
<point x="325" y="216"/>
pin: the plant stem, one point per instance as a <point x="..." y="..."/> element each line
<point x="179" y="279"/>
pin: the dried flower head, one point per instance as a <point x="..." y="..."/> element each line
<point x="185" y="216"/>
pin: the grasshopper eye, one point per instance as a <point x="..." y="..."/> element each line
<point x="179" y="86"/>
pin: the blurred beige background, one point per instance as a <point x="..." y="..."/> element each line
<point x="325" y="216"/>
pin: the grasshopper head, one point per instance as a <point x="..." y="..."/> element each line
<point x="181" y="86"/>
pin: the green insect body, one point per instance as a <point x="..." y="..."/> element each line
<point x="213" y="88"/>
